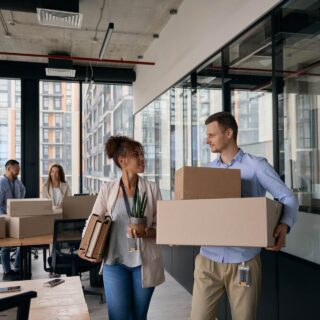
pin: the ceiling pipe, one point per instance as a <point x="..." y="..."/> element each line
<point x="32" y="5"/>
<point x="86" y="59"/>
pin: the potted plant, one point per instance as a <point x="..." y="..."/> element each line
<point x="138" y="221"/>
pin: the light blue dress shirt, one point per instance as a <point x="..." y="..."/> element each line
<point x="10" y="190"/>
<point x="257" y="177"/>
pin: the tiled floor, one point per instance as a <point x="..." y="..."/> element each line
<point x="170" y="300"/>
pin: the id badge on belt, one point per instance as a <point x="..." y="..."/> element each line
<point x="244" y="275"/>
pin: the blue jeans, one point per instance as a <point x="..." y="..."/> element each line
<point x="126" y="299"/>
<point x="5" y="258"/>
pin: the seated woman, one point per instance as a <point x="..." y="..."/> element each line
<point x="56" y="187"/>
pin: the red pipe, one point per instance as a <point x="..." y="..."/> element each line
<point x="76" y="58"/>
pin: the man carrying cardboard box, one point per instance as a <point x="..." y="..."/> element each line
<point x="10" y="188"/>
<point x="237" y="270"/>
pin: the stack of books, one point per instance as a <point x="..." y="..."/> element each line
<point x="94" y="240"/>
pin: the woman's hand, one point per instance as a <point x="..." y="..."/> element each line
<point x="147" y="233"/>
<point x="132" y="233"/>
<point x="81" y="254"/>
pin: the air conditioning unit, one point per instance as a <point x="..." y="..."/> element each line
<point x="60" y="68"/>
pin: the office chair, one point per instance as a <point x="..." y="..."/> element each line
<point x="21" y="301"/>
<point x="34" y="252"/>
<point x="66" y="241"/>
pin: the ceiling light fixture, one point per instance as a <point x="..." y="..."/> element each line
<point x="106" y="40"/>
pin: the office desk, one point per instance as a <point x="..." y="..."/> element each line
<point x="25" y="254"/>
<point x="65" y="301"/>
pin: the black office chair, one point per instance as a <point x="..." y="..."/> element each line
<point x="21" y="302"/>
<point x="66" y="241"/>
<point x="13" y="252"/>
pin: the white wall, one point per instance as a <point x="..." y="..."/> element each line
<point x="200" y="29"/>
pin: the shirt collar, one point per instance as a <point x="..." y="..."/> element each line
<point x="238" y="157"/>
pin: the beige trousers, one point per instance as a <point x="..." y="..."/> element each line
<point x="212" y="279"/>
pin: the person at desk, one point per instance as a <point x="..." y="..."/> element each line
<point x="56" y="187"/>
<point x="10" y="188"/>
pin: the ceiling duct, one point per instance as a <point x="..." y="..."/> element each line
<point x="60" y="68"/>
<point x="56" y="13"/>
<point x="32" y="5"/>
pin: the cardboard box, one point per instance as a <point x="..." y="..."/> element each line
<point x="207" y="183"/>
<point x="242" y="222"/>
<point x="78" y="207"/>
<point x="24" y="227"/>
<point x="2" y="226"/>
<point x="29" y="207"/>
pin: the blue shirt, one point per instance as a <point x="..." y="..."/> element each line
<point x="257" y="177"/>
<point x="10" y="190"/>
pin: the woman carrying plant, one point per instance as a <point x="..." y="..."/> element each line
<point x="129" y="274"/>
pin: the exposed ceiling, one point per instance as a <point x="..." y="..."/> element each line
<point x="135" y="23"/>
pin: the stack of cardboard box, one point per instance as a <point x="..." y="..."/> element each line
<point x="209" y="210"/>
<point x="30" y="217"/>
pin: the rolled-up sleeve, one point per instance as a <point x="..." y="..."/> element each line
<point x="270" y="181"/>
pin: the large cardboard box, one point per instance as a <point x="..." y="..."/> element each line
<point x="78" y="207"/>
<point x="207" y="183"/>
<point x="2" y="226"/>
<point x="242" y="222"/>
<point x="24" y="227"/>
<point x="29" y="207"/>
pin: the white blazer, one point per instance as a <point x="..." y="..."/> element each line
<point x="65" y="191"/>
<point x="152" y="266"/>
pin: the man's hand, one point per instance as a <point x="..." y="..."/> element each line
<point x="280" y="234"/>
<point x="81" y="254"/>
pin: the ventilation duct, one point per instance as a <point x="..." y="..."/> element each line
<point x="32" y="5"/>
<point x="62" y="19"/>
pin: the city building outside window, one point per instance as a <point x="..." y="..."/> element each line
<point x="64" y="127"/>
<point x="10" y="123"/>
<point x="107" y="111"/>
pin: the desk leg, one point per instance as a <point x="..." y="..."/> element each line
<point x="23" y="262"/>
<point x="28" y="271"/>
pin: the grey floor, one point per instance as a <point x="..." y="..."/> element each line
<point x="169" y="302"/>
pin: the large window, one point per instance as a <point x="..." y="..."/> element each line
<point x="10" y="121"/>
<point x="59" y="131"/>
<point x="269" y="79"/>
<point x="107" y="111"/>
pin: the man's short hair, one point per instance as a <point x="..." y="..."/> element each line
<point x="11" y="162"/>
<point x="225" y="120"/>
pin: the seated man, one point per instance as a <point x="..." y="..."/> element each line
<point x="10" y="188"/>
